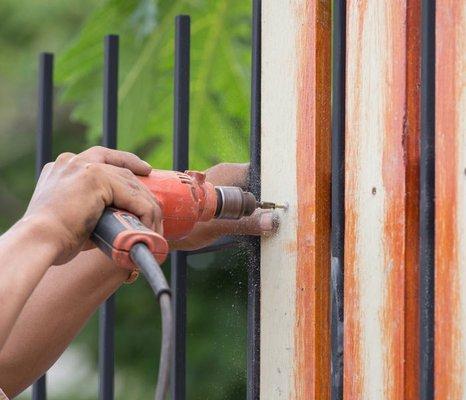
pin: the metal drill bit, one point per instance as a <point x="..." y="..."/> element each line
<point x="271" y="206"/>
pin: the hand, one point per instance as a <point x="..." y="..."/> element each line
<point x="72" y="193"/>
<point x="204" y="233"/>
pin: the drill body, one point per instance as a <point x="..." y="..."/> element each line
<point x="184" y="199"/>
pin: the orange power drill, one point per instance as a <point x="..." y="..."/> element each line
<point x="185" y="199"/>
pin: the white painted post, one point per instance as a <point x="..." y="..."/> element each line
<point x="295" y="264"/>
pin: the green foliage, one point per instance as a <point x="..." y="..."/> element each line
<point x="219" y="131"/>
<point x="27" y="28"/>
<point x="220" y="53"/>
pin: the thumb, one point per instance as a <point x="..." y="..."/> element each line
<point x="204" y="233"/>
<point x="259" y="223"/>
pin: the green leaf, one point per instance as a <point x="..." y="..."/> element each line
<point x="220" y="59"/>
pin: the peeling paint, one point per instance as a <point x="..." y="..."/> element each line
<point x="380" y="261"/>
<point x="450" y="204"/>
<point x="312" y="335"/>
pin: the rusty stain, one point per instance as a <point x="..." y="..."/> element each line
<point x="353" y="375"/>
<point x="449" y="340"/>
<point x="290" y="246"/>
<point x="400" y="161"/>
<point x="312" y="330"/>
<point x="393" y="176"/>
<point x="411" y="135"/>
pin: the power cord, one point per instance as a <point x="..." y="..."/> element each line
<point x="151" y="270"/>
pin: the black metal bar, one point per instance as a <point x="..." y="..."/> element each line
<point x="338" y="195"/>
<point x="427" y="202"/>
<point x="45" y="112"/>
<point x="107" y="310"/>
<point x="180" y="163"/>
<point x="39" y="389"/>
<point x="253" y="349"/>
<point x="226" y="242"/>
<point x="44" y="153"/>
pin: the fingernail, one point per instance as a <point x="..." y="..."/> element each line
<point x="147" y="164"/>
<point x="268" y="222"/>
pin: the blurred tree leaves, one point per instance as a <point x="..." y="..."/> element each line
<point x="27" y="28"/>
<point x="220" y="52"/>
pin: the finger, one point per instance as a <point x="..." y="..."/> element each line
<point x="128" y="198"/>
<point x="260" y="223"/>
<point x="128" y="195"/>
<point x="229" y="174"/>
<point x="88" y="245"/>
<point x="121" y="189"/>
<point x="63" y="158"/>
<point x="143" y="191"/>
<point x="263" y="223"/>
<point x="117" y="158"/>
<point x="45" y="172"/>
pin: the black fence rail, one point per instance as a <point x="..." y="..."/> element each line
<point x="179" y="265"/>
<point x="338" y="196"/>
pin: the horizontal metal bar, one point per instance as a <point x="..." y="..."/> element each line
<point x="223" y="243"/>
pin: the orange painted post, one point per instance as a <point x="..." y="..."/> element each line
<point x="312" y="334"/>
<point x="381" y="200"/>
<point x="450" y="201"/>
<point x="295" y="264"/>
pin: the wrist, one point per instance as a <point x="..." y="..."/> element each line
<point x="41" y="229"/>
<point x="98" y="273"/>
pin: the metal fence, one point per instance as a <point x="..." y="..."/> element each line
<point x="427" y="195"/>
<point x="179" y="271"/>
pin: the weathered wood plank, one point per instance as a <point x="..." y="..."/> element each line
<point x="450" y="201"/>
<point x="381" y="199"/>
<point x="295" y="264"/>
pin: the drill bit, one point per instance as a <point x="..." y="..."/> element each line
<point x="271" y="206"/>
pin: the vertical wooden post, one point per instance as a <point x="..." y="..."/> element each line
<point x="295" y="264"/>
<point x="381" y="197"/>
<point x="450" y="201"/>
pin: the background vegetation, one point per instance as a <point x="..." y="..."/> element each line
<point x="219" y="132"/>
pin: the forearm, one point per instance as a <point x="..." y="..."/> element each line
<point x="25" y="255"/>
<point x="54" y="314"/>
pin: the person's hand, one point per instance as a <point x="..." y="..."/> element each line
<point x="204" y="233"/>
<point x="72" y="193"/>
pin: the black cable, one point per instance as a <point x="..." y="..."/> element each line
<point x="151" y="270"/>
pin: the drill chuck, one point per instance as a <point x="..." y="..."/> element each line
<point x="234" y="203"/>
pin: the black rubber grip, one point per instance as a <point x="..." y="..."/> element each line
<point x="111" y="224"/>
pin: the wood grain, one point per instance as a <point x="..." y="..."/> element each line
<point x="381" y="229"/>
<point x="295" y="264"/>
<point x="450" y="204"/>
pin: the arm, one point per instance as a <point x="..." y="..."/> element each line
<point x="68" y="295"/>
<point x="26" y="253"/>
<point x="59" y="307"/>
<point x="43" y="307"/>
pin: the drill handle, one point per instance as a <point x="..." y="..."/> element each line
<point x="118" y="231"/>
